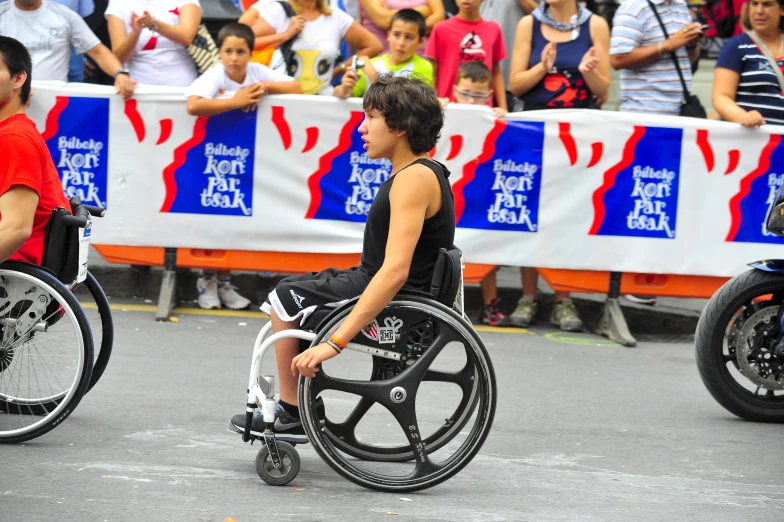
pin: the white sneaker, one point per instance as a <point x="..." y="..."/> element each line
<point x="230" y="298"/>
<point x="208" y="292"/>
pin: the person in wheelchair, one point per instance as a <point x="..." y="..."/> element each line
<point x="30" y="187"/>
<point x="411" y="219"/>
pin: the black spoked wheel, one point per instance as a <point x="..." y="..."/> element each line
<point x="740" y="346"/>
<point x="398" y="390"/>
<point x="96" y="307"/>
<point x="344" y="434"/>
<point x="46" y="352"/>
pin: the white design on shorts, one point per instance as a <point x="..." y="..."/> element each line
<point x="297" y="299"/>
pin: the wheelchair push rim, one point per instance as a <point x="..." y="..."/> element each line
<point x="399" y="395"/>
<point x="34" y="398"/>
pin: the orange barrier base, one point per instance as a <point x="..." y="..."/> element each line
<point x="584" y="281"/>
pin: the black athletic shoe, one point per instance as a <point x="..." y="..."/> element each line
<point x="285" y="423"/>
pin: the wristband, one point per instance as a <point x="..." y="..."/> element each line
<point x="122" y="71"/>
<point x="334" y="346"/>
<point x="154" y="27"/>
<point x="337" y="341"/>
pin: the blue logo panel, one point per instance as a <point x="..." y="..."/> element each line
<point x="213" y="172"/>
<point x="502" y="191"/>
<point x="80" y="147"/>
<point x="640" y="198"/>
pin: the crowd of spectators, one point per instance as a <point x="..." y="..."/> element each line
<point x="506" y="54"/>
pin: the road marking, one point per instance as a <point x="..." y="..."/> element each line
<point x="261" y="315"/>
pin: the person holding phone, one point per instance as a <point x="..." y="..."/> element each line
<point x="642" y="52"/>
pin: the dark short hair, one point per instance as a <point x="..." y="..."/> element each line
<point x="238" y="30"/>
<point x="474" y="71"/>
<point x="17" y="59"/>
<point x="410" y="16"/>
<point x="407" y="104"/>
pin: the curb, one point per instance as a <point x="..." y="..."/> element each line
<point x="121" y="282"/>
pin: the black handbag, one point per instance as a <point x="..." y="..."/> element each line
<point x="286" y="49"/>
<point x="691" y="106"/>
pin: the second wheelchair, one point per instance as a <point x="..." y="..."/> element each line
<point x="47" y="360"/>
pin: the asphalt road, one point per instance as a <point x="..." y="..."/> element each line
<point x="585" y="431"/>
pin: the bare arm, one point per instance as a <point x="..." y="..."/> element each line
<point x="267" y="37"/>
<point x="198" y="106"/>
<point x="380" y="15"/>
<point x="249" y="17"/>
<point x="110" y="64"/>
<point x="184" y="32"/>
<point x="437" y="13"/>
<point x="642" y="56"/>
<point x="528" y="5"/>
<point x="435" y="74"/>
<point x="292" y="87"/>
<point x="363" y="40"/>
<point x="123" y="43"/>
<point x="522" y="78"/>
<point x="598" y="79"/>
<point x="17" y="206"/>
<point x="725" y="87"/>
<point x="498" y="87"/>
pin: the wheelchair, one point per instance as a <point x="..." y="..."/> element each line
<point x="405" y="348"/>
<point x="46" y="342"/>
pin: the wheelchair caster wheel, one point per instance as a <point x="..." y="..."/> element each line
<point x="289" y="468"/>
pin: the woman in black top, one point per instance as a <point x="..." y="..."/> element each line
<point x="410" y="220"/>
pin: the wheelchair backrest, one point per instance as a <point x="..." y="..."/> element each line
<point x="447" y="283"/>
<point x="62" y="244"/>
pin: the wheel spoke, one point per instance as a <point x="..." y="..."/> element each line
<point x="405" y="414"/>
<point x="375" y="391"/>
<point x="346" y="430"/>
<point x="415" y="374"/>
<point x="464" y="378"/>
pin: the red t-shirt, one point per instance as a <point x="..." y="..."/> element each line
<point x="455" y="41"/>
<point x="25" y="160"/>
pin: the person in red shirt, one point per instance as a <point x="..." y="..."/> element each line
<point x="30" y="188"/>
<point x="466" y="38"/>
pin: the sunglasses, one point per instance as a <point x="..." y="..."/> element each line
<point x="473" y="95"/>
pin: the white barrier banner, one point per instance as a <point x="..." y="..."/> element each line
<point x="594" y="190"/>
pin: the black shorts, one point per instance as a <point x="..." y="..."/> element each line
<point x="297" y="297"/>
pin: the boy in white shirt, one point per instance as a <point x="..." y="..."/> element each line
<point x="249" y="82"/>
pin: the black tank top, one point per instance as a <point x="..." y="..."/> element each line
<point x="438" y="231"/>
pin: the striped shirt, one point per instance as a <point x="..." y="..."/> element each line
<point x="758" y="88"/>
<point x="653" y="88"/>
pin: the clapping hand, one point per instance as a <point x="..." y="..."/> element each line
<point x="589" y="61"/>
<point x="548" y="56"/>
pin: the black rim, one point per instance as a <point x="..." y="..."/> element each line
<point x="398" y="395"/>
<point x="760" y="348"/>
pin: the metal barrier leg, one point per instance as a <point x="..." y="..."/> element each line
<point x="612" y="323"/>
<point x="168" y="295"/>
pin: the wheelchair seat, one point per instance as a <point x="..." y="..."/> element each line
<point x="446" y="287"/>
<point x="65" y="244"/>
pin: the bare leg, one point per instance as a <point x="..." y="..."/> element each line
<point x="489" y="288"/>
<point x="560" y="296"/>
<point x="285" y="351"/>
<point x="530" y="279"/>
